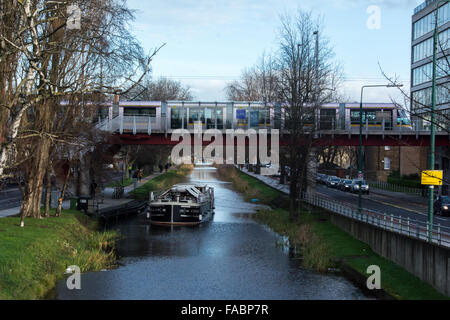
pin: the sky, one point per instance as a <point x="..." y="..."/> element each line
<point x="209" y="42"/>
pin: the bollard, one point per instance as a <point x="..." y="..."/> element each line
<point x="439" y="234"/>
<point x="409" y="229"/>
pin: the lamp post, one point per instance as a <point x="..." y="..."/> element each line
<point x="432" y="116"/>
<point x="316" y="85"/>
<point x="360" y="162"/>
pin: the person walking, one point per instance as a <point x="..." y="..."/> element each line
<point x="167" y="167"/>
<point x="135" y="178"/>
<point x="160" y="168"/>
<point x="140" y="175"/>
<point x="93" y="188"/>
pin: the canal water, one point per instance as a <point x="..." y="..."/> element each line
<point x="232" y="257"/>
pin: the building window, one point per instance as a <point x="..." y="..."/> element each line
<point x="426" y="24"/>
<point x="424" y="73"/>
<point x="387" y="164"/>
<point x="424" y="49"/>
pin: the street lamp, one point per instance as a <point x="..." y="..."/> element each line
<point x="360" y="163"/>
<point x="433" y="108"/>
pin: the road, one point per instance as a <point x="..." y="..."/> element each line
<point x="10" y="198"/>
<point x="392" y="204"/>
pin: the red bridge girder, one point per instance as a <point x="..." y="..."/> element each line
<point x="328" y="140"/>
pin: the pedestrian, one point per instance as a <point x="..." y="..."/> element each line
<point x="140" y="175"/>
<point x="160" y="168"/>
<point x="93" y="188"/>
<point x="135" y="179"/>
<point x="167" y="167"/>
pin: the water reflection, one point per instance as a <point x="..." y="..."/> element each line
<point x="232" y="257"/>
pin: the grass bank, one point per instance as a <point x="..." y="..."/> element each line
<point x="163" y="181"/>
<point x="34" y="258"/>
<point x="323" y="245"/>
<point x="252" y="188"/>
<point x="124" y="183"/>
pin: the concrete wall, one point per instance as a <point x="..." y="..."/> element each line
<point x="429" y="262"/>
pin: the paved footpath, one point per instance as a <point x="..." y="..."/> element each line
<point x="107" y="193"/>
<point x="268" y="180"/>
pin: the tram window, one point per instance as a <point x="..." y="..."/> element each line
<point x="196" y="115"/>
<point x="371" y="117"/>
<point x="148" y="112"/>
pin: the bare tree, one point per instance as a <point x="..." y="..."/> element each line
<point x="259" y="83"/>
<point x="162" y="89"/>
<point x="52" y="74"/>
<point x="308" y="77"/>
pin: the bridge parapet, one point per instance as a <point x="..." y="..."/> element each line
<point x="136" y="124"/>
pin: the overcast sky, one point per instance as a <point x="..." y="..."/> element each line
<point x="209" y="42"/>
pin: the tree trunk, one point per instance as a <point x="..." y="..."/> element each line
<point x="85" y="178"/>
<point x="48" y="193"/>
<point x="63" y="192"/>
<point x="31" y="204"/>
<point x="293" y="202"/>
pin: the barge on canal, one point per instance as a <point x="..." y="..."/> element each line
<point x="182" y="205"/>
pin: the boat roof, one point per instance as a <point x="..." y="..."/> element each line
<point x="189" y="188"/>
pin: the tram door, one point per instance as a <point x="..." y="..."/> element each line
<point x="177" y="117"/>
<point x="327" y="119"/>
<point x="196" y="114"/>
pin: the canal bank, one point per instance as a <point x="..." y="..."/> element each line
<point x="231" y="257"/>
<point x="34" y="258"/>
<point x="324" y="246"/>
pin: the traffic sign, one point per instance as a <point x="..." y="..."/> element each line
<point x="432" y="177"/>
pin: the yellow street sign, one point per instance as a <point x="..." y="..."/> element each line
<point x="432" y="177"/>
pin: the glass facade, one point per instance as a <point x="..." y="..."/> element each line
<point x="426" y="24"/>
<point x="423" y="97"/>
<point x="424" y="49"/>
<point x="424" y="73"/>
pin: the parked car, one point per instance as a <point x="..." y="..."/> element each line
<point x="442" y="205"/>
<point x="345" y="185"/>
<point x="333" y="182"/>
<point x="355" y="186"/>
<point x="320" y="177"/>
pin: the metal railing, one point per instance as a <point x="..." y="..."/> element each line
<point x="326" y="125"/>
<point x="397" y="188"/>
<point x="418" y="229"/>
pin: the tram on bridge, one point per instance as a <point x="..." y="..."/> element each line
<point x="157" y="116"/>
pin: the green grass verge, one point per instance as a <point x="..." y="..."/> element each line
<point x="324" y="245"/>
<point x="162" y="182"/>
<point x="34" y="258"/>
<point x="124" y="183"/>
<point x="252" y="188"/>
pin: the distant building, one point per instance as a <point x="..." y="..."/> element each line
<point x="380" y="162"/>
<point x="423" y="26"/>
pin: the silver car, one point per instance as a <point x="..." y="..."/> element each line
<point x="356" y="185"/>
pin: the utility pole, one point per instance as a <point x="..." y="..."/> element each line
<point x="316" y="89"/>
<point x="433" y="108"/>
<point x="361" y="156"/>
